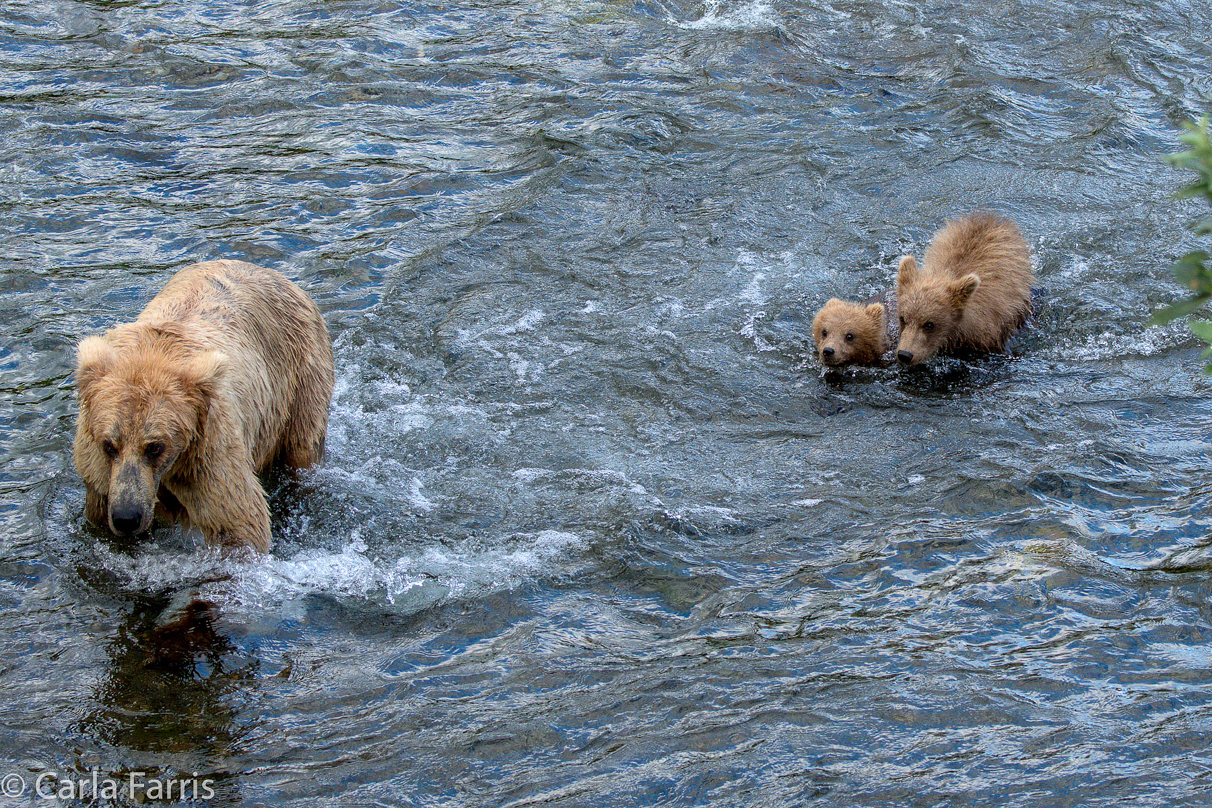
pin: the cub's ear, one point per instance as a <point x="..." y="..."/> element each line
<point x="876" y="312"/>
<point x="830" y="303"/>
<point x="961" y="290"/>
<point x="821" y="312"/>
<point x="94" y="358"/>
<point x="907" y="272"/>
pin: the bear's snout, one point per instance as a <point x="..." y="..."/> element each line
<point x="126" y="518"/>
<point x="827" y="353"/>
<point x="131" y="504"/>
<point x="905" y="357"/>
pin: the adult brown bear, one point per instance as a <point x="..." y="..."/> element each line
<point x="226" y="371"/>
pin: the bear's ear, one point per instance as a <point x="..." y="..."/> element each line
<point x="94" y="358"/>
<point x="876" y="312"/>
<point x="201" y="380"/>
<point x="907" y="272"/>
<point x="961" y="290"/>
<point x="206" y="372"/>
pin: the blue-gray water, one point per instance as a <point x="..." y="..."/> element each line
<point x="593" y="530"/>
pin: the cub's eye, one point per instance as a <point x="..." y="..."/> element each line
<point x="849" y="337"/>
<point x="153" y="450"/>
<point x="902" y="319"/>
<point x="824" y="332"/>
<point x="108" y="447"/>
<point x="928" y="326"/>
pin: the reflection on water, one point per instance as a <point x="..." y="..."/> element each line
<point x="171" y="694"/>
<point x="594" y="528"/>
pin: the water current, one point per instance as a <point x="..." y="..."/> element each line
<point x="593" y="528"/>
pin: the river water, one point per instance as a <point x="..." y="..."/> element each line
<point x="593" y="528"/>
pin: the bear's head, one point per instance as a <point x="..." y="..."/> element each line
<point x="930" y="308"/>
<point x="143" y="405"/>
<point x="850" y="333"/>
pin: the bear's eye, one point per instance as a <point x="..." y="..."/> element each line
<point x="824" y="332"/>
<point x="928" y="326"/>
<point x="153" y="450"/>
<point x="849" y="337"/>
<point x="107" y="446"/>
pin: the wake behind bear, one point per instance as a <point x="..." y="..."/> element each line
<point x="228" y="370"/>
<point x="971" y="294"/>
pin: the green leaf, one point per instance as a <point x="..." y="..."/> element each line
<point x="1192" y="137"/>
<point x="1191" y="190"/>
<point x="1203" y="330"/>
<point x="1192" y="271"/>
<point x="1179" y="309"/>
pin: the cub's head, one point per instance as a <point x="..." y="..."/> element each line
<point x="141" y="408"/>
<point x="930" y="310"/>
<point x="850" y="333"/>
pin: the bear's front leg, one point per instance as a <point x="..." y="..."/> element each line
<point x="228" y="506"/>
<point x="168" y="509"/>
<point x="96" y="507"/>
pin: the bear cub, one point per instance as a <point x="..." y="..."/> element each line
<point x="849" y="333"/>
<point x="972" y="292"/>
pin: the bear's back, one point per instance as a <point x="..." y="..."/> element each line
<point x="993" y="249"/>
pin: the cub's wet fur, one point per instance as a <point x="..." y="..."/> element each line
<point x="849" y="333"/>
<point x="972" y="292"/>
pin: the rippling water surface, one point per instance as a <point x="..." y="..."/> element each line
<point x="593" y="528"/>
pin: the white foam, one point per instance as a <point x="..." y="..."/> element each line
<point x="749" y="331"/>
<point x="693" y="512"/>
<point x="524" y="369"/>
<point x="528" y="322"/>
<point x="753" y="292"/>
<point x="664" y="333"/>
<point x="674" y="308"/>
<point x="418" y="499"/>
<point x="604" y="477"/>
<point x="757" y="15"/>
<point x="379" y="478"/>
<point x="1151" y="341"/>
<point x="430" y="574"/>
<point x="416" y="578"/>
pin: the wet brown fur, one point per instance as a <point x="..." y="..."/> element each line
<point x="850" y="333"/>
<point x="971" y="294"/>
<point x="226" y="371"/>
